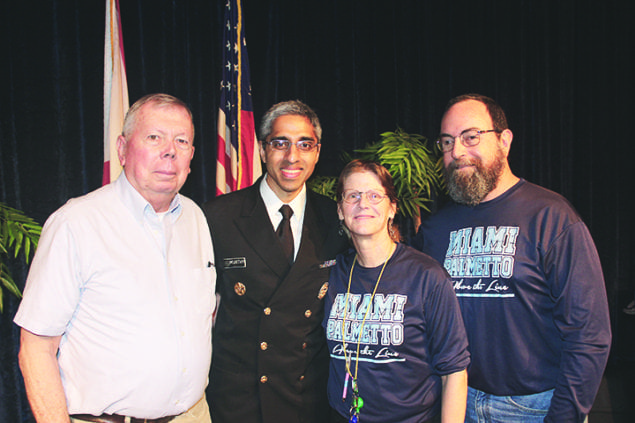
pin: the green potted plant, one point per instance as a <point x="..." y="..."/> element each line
<point x="416" y="170"/>
<point x="324" y="185"/>
<point x="18" y="233"/>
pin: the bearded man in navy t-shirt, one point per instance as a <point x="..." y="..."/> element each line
<point x="526" y="273"/>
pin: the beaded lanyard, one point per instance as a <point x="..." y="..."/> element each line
<point x="358" y="402"/>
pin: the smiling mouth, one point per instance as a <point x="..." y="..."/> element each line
<point x="464" y="166"/>
<point x="461" y="165"/>
<point x="291" y="173"/>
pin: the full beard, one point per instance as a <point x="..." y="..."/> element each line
<point x="471" y="189"/>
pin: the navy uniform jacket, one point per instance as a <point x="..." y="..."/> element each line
<point x="270" y="360"/>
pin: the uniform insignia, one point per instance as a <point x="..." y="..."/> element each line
<point x="240" y="288"/>
<point x="235" y="262"/>
<point x="328" y="263"/>
<point x="323" y="290"/>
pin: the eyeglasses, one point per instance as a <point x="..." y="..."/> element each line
<point x="305" y="146"/>
<point x="352" y="197"/>
<point x="469" y="138"/>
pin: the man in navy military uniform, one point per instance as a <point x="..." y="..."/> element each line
<point x="270" y="361"/>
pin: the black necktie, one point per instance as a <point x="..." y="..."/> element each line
<point x="284" y="231"/>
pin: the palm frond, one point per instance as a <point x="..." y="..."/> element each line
<point x="324" y="185"/>
<point x="416" y="171"/>
<point x="18" y="233"/>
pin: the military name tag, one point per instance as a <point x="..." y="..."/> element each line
<point x="235" y="263"/>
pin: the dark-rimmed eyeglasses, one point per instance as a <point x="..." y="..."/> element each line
<point x="469" y="138"/>
<point x="351" y="196"/>
<point x="304" y="146"/>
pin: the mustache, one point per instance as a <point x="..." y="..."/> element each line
<point x="457" y="163"/>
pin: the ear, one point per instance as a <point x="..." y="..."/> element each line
<point x="393" y="210"/>
<point x="189" y="169"/>
<point x="261" y="149"/>
<point x="339" y="211"/>
<point x="506" y="138"/>
<point x="121" y="149"/>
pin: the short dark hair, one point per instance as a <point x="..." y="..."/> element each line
<point x="291" y="107"/>
<point x="159" y="100"/>
<point x="496" y="113"/>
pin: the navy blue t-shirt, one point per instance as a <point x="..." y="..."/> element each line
<point x="531" y="290"/>
<point x="412" y="336"/>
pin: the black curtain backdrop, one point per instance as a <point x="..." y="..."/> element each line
<point x="562" y="70"/>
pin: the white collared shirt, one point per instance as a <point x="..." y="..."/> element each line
<point x="132" y="295"/>
<point x="273" y="204"/>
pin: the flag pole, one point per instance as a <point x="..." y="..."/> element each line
<point x="116" y="101"/>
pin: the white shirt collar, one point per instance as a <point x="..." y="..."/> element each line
<point x="273" y="204"/>
<point x="138" y="205"/>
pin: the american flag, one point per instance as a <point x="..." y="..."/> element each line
<point x="238" y="161"/>
<point x="115" y="91"/>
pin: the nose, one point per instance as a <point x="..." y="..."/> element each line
<point x="363" y="200"/>
<point x="169" y="151"/>
<point x="291" y="155"/>
<point x="458" y="149"/>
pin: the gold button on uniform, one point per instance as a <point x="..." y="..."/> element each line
<point x="264" y="346"/>
<point x="240" y="288"/>
<point x="307" y="314"/>
<point x="263" y="379"/>
<point x="267" y="311"/>
<point x="304" y="345"/>
<point x="323" y="290"/>
<point x="302" y="377"/>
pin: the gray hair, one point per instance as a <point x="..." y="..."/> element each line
<point x="292" y="107"/>
<point x="158" y="100"/>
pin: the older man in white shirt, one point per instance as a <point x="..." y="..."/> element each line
<point x="117" y="309"/>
